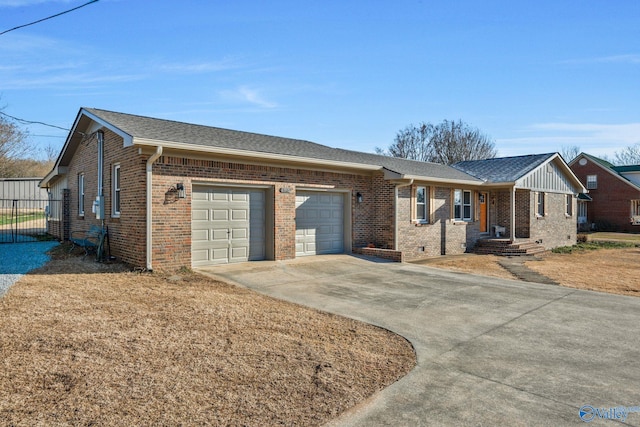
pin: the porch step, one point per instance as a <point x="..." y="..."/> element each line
<point x="505" y="247"/>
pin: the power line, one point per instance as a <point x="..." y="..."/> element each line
<point x="30" y="122"/>
<point x="48" y="17"/>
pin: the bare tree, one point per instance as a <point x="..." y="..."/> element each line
<point x="448" y="142"/>
<point x="454" y="142"/>
<point x="628" y="156"/>
<point x="13" y="147"/>
<point x="569" y="152"/>
<point x="412" y="142"/>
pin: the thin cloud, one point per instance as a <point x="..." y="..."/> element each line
<point x="201" y="67"/>
<point x="66" y="81"/>
<point x="249" y="95"/>
<point x="594" y="138"/>
<point x="22" y="3"/>
<point x="630" y="58"/>
<point x="628" y="133"/>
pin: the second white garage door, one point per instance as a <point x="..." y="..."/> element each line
<point x="319" y="223"/>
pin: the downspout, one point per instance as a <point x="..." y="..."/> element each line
<point x="150" y="162"/>
<point x="395" y="213"/>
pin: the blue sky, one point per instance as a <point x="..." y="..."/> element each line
<point x="534" y="76"/>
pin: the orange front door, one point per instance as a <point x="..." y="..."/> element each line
<point x="483" y="212"/>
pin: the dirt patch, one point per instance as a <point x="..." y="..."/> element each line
<point x="85" y="343"/>
<point x="487" y="265"/>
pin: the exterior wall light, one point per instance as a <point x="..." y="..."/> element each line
<point x="182" y="193"/>
<point x="359" y="197"/>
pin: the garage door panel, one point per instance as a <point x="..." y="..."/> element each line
<point x="220" y="215"/>
<point x="220" y="234"/>
<point x="228" y="225"/>
<point x="200" y="214"/>
<point x="200" y="235"/>
<point x="319" y="223"/>
<point x="239" y="233"/>
<point x="200" y="255"/>
<point x="239" y="214"/>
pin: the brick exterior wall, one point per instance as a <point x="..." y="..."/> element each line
<point x="172" y="221"/>
<point x="610" y="208"/>
<point x="555" y="228"/>
<point x="442" y="235"/>
<point x="127" y="234"/>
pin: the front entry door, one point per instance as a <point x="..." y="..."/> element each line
<point x="483" y="212"/>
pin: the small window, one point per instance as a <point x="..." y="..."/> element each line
<point x="540" y="204"/>
<point x="421" y="204"/>
<point x="81" y="194"/>
<point x="569" y="208"/>
<point x="462" y="205"/>
<point x="592" y="182"/>
<point x="116" y="190"/>
<point x="635" y="208"/>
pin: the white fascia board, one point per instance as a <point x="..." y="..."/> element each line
<point x="128" y="139"/>
<point x="443" y="180"/>
<point x="400" y="178"/>
<point x="233" y="152"/>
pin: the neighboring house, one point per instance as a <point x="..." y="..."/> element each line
<point x="175" y="194"/>
<point x="615" y="194"/>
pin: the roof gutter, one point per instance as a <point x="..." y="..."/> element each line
<point x="395" y="212"/>
<point x="150" y="162"/>
<point x="234" y="152"/>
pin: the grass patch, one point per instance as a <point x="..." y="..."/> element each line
<point x="10" y="219"/>
<point x="592" y="246"/>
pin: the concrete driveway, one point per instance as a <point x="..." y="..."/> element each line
<point x="490" y="351"/>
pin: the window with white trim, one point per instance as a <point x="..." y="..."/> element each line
<point x="569" y="207"/>
<point x="422" y="205"/>
<point x="540" y="204"/>
<point x="592" y="182"/>
<point x="115" y="179"/>
<point x="635" y="208"/>
<point x="81" y="194"/>
<point x="462" y="205"/>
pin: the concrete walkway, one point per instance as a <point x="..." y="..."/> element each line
<point x="490" y="351"/>
<point x="517" y="267"/>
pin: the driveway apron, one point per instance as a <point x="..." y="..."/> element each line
<point x="490" y="351"/>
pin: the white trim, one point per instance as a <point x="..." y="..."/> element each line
<point x="116" y="209"/>
<point x="234" y="152"/>
<point x="81" y="194"/>
<point x="564" y="165"/>
<point x="128" y="139"/>
<point x="149" y="237"/>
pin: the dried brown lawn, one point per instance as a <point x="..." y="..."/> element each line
<point x="615" y="271"/>
<point x="83" y="343"/>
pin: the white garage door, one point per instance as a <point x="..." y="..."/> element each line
<point x="227" y="225"/>
<point x="319" y="223"/>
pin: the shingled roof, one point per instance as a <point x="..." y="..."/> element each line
<point x="503" y="169"/>
<point x="159" y="130"/>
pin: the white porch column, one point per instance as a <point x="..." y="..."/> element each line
<point x="513" y="214"/>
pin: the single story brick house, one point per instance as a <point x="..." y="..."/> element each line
<point x="176" y="194"/>
<point x="614" y="193"/>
